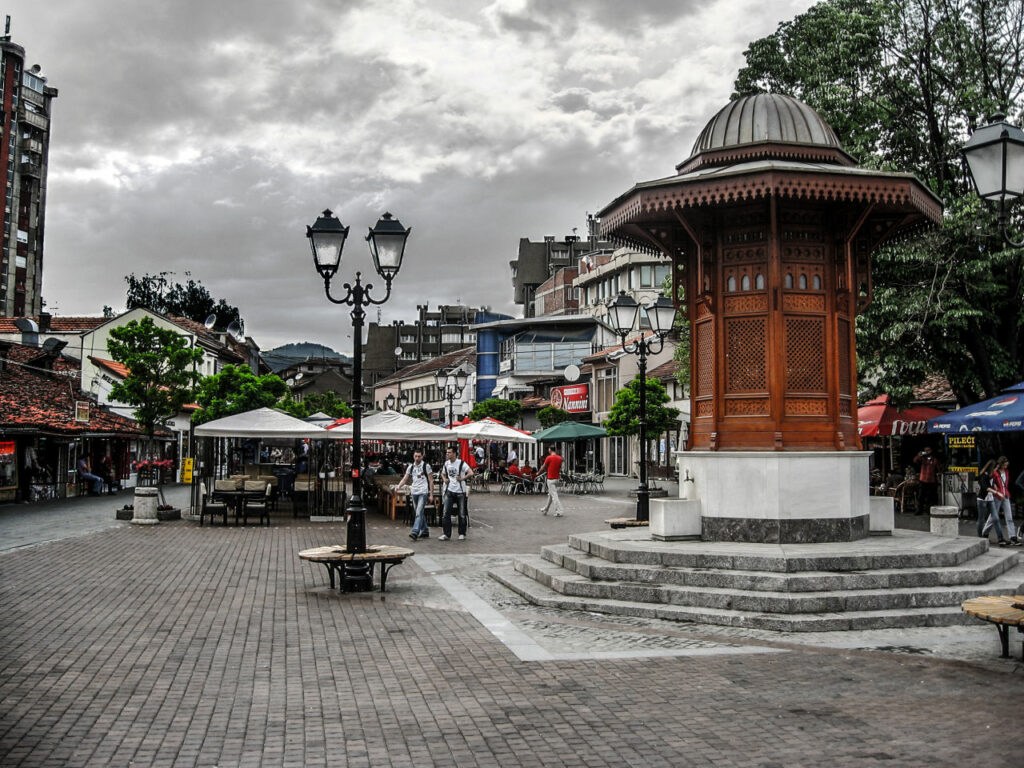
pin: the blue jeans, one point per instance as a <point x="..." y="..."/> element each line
<point x="986" y="510"/>
<point x="457" y="500"/>
<point x="419" y="524"/>
<point x="94" y="480"/>
<point x="1007" y="509"/>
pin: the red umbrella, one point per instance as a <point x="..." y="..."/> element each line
<point x="878" y="418"/>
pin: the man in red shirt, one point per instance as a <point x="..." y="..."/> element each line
<point x="552" y="467"/>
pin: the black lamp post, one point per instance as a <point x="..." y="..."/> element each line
<point x="995" y="158"/>
<point x="623" y="314"/>
<point x="387" y="247"/>
<point x="451" y="384"/>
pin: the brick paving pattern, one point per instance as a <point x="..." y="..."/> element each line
<point x="175" y="645"/>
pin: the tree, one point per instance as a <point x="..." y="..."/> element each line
<point x="548" y="416"/>
<point x="903" y="82"/>
<point x="236" y="389"/>
<point x="321" y="402"/>
<point x="161" y="367"/>
<point x="192" y="300"/>
<point x="624" y="417"/>
<point x="507" y="411"/>
<point x="418" y="413"/>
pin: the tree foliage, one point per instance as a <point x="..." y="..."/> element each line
<point x="162" y="370"/>
<point x="903" y="82"/>
<point x="191" y="299"/>
<point x="236" y="389"/>
<point x="548" y="416"/>
<point x="507" y="411"/>
<point x="330" y="403"/>
<point x="624" y="417"/>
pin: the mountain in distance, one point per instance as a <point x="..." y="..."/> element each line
<point x="297" y="352"/>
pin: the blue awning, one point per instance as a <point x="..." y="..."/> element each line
<point x="1004" y="413"/>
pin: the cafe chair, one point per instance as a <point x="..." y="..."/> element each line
<point x="258" y="505"/>
<point x="210" y="507"/>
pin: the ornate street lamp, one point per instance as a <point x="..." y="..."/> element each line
<point x="387" y="247"/>
<point x="389" y="401"/>
<point x="623" y="314"/>
<point x="995" y="158"/>
<point x="451" y="384"/>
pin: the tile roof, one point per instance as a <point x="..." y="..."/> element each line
<point x="113" y="366"/>
<point x="34" y="398"/>
<point x="447" y="360"/>
<point x="666" y="370"/>
<point x="58" y="324"/>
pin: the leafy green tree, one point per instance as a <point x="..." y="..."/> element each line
<point x="418" y="413"/>
<point x="624" y="417"/>
<point x="903" y="82"/>
<point x="548" y="416"/>
<point x="161" y="367"/>
<point x="321" y="402"/>
<point x="236" y="389"/>
<point x="191" y="299"/>
<point x="507" y="411"/>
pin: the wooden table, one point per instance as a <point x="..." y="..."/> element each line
<point x="1004" y="611"/>
<point x="335" y="559"/>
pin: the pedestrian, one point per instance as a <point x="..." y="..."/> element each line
<point x="512" y="458"/>
<point x="928" y="481"/>
<point x="479" y="457"/>
<point x="419" y="477"/>
<point x="453" y="475"/>
<point x="552" y="469"/>
<point x="1001" y="492"/>
<point x="988" y="516"/>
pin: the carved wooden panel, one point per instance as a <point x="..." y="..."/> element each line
<point x="805" y="354"/>
<point x="745" y="304"/>
<point x="746" y="406"/>
<point x="845" y="387"/>
<point x="806" y="406"/>
<point x="746" y="347"/>
<point x="703" y="310"/>
<point x="753" y="253"/>
<point x="703" y="349"/>
<point x="803" y="252"/>
<point x="803" y="302"/>
<point x="704" y="408"/>
<point x="845" y="406"/>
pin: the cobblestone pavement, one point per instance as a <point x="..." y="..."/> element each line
<point x="175" y="645"/>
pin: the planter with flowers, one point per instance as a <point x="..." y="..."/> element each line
<point x="153" y="471"/>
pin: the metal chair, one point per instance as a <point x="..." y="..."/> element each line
<point x="211" y="508"/>
<point x="260" y="505"/>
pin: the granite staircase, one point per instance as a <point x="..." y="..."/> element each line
<point x="909" y="579"/>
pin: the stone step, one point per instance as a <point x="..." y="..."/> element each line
<point x="573" y="584"/>
<point x="979" y="570"/>
<point x="543" y="595"/>
<point x="904" y="549"/>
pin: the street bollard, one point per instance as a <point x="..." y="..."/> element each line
<point x="145" y="506"/>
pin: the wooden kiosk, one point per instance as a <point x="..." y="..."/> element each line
<point x="771" y="227"/>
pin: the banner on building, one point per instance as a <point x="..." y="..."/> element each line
<point x="574" y="398"/>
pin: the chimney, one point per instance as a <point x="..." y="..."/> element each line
<point x="44" y="322"/>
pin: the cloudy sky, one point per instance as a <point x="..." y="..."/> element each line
<point x="202" y="137"/>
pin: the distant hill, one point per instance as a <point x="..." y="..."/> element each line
<point x="289" y="354"/>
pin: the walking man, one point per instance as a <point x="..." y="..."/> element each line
<point x="552" y="467"/>
<point x="420" y="479"/>
<point x="453" y="475"/>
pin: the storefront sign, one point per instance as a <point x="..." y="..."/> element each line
<point x="81" y="410"/>
<point x="186" y="470"/>
<point x="574" y="398"/>
<point x="961" y="441"/>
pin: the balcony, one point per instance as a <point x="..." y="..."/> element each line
<point x="34" y="119"/>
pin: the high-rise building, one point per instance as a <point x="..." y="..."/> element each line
<point x="25" y="100"/>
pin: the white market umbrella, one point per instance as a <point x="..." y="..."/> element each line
<point x="319" y="418"/>
<point x="392" y="425"/>
<point x="261" y="422"/>
<point x="494" y="430"/>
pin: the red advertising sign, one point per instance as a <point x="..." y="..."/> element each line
<point x="574" y="398"/>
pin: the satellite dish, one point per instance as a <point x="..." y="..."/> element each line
<point x="210" y="321"/>
<point x="571" y="373"/>
<point x="398" y="351"/>
<point x="298" y="375"/>
<point x="235" y="331"/>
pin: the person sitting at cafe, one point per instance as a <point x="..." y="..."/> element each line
<point x="85" y="473"/>
<point x="527" y="471"/>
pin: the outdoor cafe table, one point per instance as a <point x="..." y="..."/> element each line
<point x="236" y="499"/>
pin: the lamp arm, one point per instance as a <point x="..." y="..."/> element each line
<point x="347" y="299"/>
<point x="650" y="345"/>
<point x="368" y="300"/>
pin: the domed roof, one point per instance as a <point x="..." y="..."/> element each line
<point x="763" y="119"/>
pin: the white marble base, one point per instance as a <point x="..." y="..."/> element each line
<point x="780" y="496"/>
<point x="882" y="519"/>
<point x="674" y="519"/>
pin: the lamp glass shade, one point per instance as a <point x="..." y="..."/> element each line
<point x="622" y="313"/>
<point x="327" y="239"/>
<point x="661" y="314"/>
<point x="461" y="377"/>
<point x="389" y="401"/>
<point x="441" y="378"/>
<point x="995" y="158"/>
<point x="403" y="402"/>
<point x="387" y="245"/>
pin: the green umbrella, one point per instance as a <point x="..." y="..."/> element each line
<point x="569" y="430"/>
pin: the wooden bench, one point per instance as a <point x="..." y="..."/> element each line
<point x="1004" y="611"/>
<point x="627" y="522"/>
<point x="335" y="559"/>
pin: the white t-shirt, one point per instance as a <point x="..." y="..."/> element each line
<point x="452" y="475"/>
<point x="418" y="477"/>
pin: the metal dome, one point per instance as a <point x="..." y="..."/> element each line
<point x="764" y="119"/>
